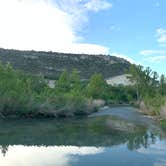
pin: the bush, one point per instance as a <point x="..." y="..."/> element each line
<point x="97" y="87"/>
<point x="154" y="103"/>
<point x="163" y="124"/>
<point x="26" y="95"/>
<point x="17" y="91"/>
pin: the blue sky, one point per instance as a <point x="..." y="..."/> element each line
<point x="132" y="29"/>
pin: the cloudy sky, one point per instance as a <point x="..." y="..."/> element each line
<point x="135" y="30"/>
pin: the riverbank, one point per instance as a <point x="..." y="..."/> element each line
<point x="83" y="141"/>
<point x="87" y="108"/>
<point x="24" y="95"/>
<point x="156" y="111"/>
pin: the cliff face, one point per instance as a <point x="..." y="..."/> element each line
<point x="51" y="64"/>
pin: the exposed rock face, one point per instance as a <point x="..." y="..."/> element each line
<point x="51" y="64"/>
<point x="98" y="103"/>
<point x="120" y="80"/>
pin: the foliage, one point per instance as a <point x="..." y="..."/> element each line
<point x="51" y="64"/>
<point x="27" y="95"/>
<point x="63" y="83"/>
<point x="149" y="87"/>
<point x="97" y="87"/>
<point x="145" y="80"/>
<point x="163" y="124"/>
<point x="162" y="87"/>
<point x="121" y="94"/>
<point x="16" y="90"/>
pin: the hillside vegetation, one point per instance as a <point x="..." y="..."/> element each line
<point x="150" y="90"/>
<point x="26" y="95"/>
<point x="52" y="64"/>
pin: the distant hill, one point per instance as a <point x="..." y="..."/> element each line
<point x="51" y="64"/>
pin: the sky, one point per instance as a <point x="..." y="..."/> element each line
<point x="131" y="29"/>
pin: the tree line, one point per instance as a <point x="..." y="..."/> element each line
<point x="23" y="94"/>
<point x="150" y="88"/>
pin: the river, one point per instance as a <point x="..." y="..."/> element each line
<point x="119" y="136"/>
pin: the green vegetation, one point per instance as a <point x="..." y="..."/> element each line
<point x="163" y="124"/>
<point x="150" y="89"/>
<point x="73" y="131"/>
<point x="121" y="95"/>
<point x="22" y="94"/>
<point x="18" y="91"/>
<point x="52" y="64"/>
<point x="97" y="87"/>
<point x="26" y="95"/>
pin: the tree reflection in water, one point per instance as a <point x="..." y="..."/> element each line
<point x="76" y="132"/>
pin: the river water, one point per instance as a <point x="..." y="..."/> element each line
<point x="119" y="136"/>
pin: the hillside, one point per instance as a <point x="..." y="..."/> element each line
<point x="51" y="64"/>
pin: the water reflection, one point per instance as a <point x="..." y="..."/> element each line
<point x="42" y="156"/>
<point x="141" y="140"/>
<point x="4" y="149"/>
<point x="100" y="131"/>
<point x="88" y="141"/>
<point x="19" y="155"/>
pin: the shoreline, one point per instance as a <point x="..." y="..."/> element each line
<point x="56" y="115"/>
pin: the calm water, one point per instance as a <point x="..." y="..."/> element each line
<point x="115" y="137"/>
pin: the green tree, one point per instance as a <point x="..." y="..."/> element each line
<point x="136" y="76"/>
<point x="145" y="81"/>
<point x="97" y="87"/>
<point x="75" y="82"/>
<point x="63" y="83"/>
<point x="15" y="90"/>
<point x="162" y="85"/>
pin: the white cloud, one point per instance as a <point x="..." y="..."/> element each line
<point x="97" y="5"/>
<point x="124" y="57"/>
<point x="154" y="149"/>
<point x="85" y="48"/>
<point x="51" y="155"/>
<point x="158" y="59"/>
<point x="161" y="31"/>
<point x="114" y="28"/>
<point x="158" y="55"/>
<point x="48" y="25"/>
<point x="161" y="36"/>
<point x="157" y="4"/>
<point x="154" y="56"/>
<point x="152" y="52"/>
